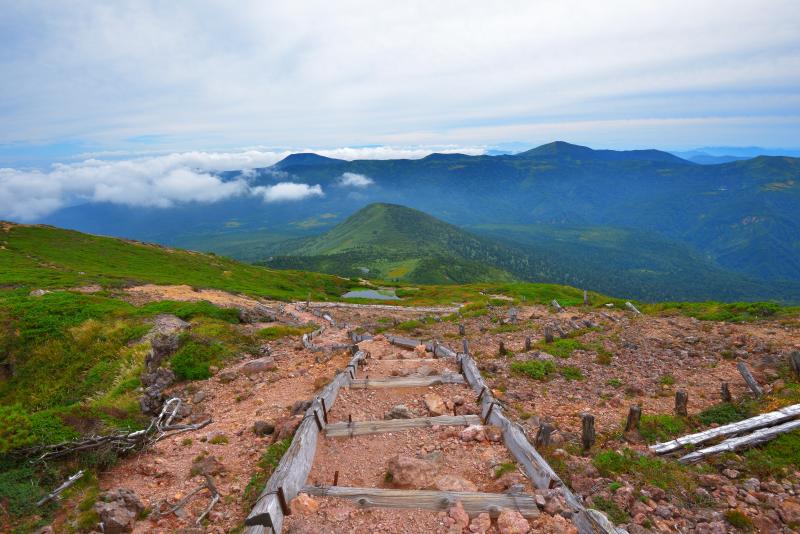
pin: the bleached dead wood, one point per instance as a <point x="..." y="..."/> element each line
<point x="760" y="421"/>
<point x="733" y="444"/>
<point x="208" y="484"/>
<point x="749" y="379"/>
<point x="439" y="350"/>
<point x="404" y="342"/>
<point x="473" y="502"/>
<point x="556" y="305"/>
<point x="632" y="308"/>
<point x="609" y="317"/>
<point x="406" y="382"/>
<point x="358" y="338"/>
<point x="293" y="469"/>
<point x="535" y="466"/>
<point x="362" y="428"/>
<point x="64" y="485"/>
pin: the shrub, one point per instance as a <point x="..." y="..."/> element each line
<point x="505" y="467"/>
<point x="775" y="456"/>
<point x="562" y="348"/>
<point x="536" y="369"/>
<point x="739" y="520"/>
<point x="571" y="373"/>
<point x="661" y="427"/>
<point x="666" y="380"/>
<point x="219" y="439"/>
<point x="193" y="359"/>
<point x="277" y="332"/>
<point x="722" y="414"/>
<point x="409" y="325"/>
<point x="267" y="464"/>
<point x="15" y="428"/>
<point x="614" y="512"/>
<point x="647" y="470"/>
<point x="614" y="382"/>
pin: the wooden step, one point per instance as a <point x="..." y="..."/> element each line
<point x="473" y="502"/>
<point x="363" y="428"/>
<point x="406" y="382"/>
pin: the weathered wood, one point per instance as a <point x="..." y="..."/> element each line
<point x="461" y="330"/>
<point x="64" y="485"/>
<point x="295" y="465"/>
<point x="358" y="338"/>
<point x="609" y="317"/>
<point x="536" y="467"/>
<point x="587" y="431"/>
<point x="634" y="419"/>
<point x="528" y="343"/>
<point x="632" y="308"/>
<point x="544" y="435"/>
<point x="406" y="382"/>
<point x="585" y="298"/>
<point x="748" y="378"/>
<point x="439" y="350"/>
<point x="725" y="392"/>
<point x="794" y="362"/>
<point x="404" y="342"/>
<point x="362" y="428"/>
<point x="548" y="334"/>
<point x="556" y="305"/>
<point x="753" y="423"/>
<point x="473" y="502"/>
<point x="501" y="350"/>
<point x="733" y="444"/>
<point x="682" y="402"/>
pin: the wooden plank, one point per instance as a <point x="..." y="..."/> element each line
<point x="439" y="350"/>
<point x="294" y="467"/>
<point x="473" y="502"/>
<point x="748" y="378"/>
<point x="406" y="382"/>
<point x="362" y="428"/>
<point x="729" y="445"/>
<point x="739" y="427"/>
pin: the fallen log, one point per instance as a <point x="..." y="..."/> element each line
<point x="733" y="444"/>
<point x="363" y="428"/>
<point x="753" y="423"/>
<point x="473" y="502"/>
<point x="406" y="382"/>
<point x="749" y="379"/>
<point x="404" y="342"/>
<point x="632" y="308"/>
<point x="64" y="485"/>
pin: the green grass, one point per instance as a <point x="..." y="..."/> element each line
<point x="277" y="332"/>
<point x="778" y="455"/>
<point x="661" y="427"/>
<point x="722" y="414"/>
<point x="267" y="463"/>
<point x="739" y="520"/>
<point x="561" y="348"/>
<point x="614" y="512"/>
<point x="503" y="468"/>
<point x="536" y="369"/>
<point x="571" y="372"/>
<point x="664" y="474"/>
<point x="666" y="380"/>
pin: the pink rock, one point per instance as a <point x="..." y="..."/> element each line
<point x="259" y="365"/>
<point x="512" y="522"/>
<point x="789" y="511"/>
<point x="459" y="515"/>
<point x="408" y="472"/>
<point x="435" y="404"/>
<point x="454" y="483"/>
<point x="473" y="433"/>
<point x="303" y="505"/>
<point x="420" y="351"/>
<point x="481" y="524"/>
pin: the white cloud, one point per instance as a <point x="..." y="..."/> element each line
<point x="286" y="191"/>
<point x="351" y="179"/>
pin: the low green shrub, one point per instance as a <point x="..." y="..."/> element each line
<point x="661" y="427"/>
<point x="15" y="428"/>
<point x="277" y="332"/>
<point x="562" y="348"/>
<point x="193" y="360"/>
<point x="774" y="457"/>
<point x="722" y="414"/>
<point x="536" y="369"/>
<point x="267" y="464"/>
<point x="663" y="474"/>
<point x="571" y="372"/>
<point x="739" y="520"/>
<point x="614" y="512"/>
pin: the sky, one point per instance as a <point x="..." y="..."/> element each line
<point x="91" y="88"/>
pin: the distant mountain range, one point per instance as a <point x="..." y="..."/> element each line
<point x="648" y="210"/>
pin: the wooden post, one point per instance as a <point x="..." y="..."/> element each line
<point x="527" y="344"/>
<point x="725" y="390"/>
<point x="632" y="308"/>
<point x="465" y="344"/>
<point x="585" y="298"/>
<point x="544" y="435"/>
<point x="548" y="334"/>
<point x="502" y="349"/>
<point x="794" y="362"/>
<point x="634" y="417"/>
<point x="748" y="377"/>
<point x="587" y="431"/>
<point x="681" y="402"/>
<point x="556" y="305"/>
<point x="461" y="330"/>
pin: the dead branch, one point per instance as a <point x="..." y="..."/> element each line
<point x="160" y="427"/>
<point x="208" y="484"/>
<point x="55" y="493"/>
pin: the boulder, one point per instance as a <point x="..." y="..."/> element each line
<point x="434" y="404"/>
<point x="207" y="464"/>
<point x="459" y="515"/>
<point x="259" y="365"/>
<point x="454" y="483"/>
<point x="512" y="522"/>
<point x="162" y="346"/>
<point x="257" y="314"/>
<point x="118" y="510"/>
<point x="789" y="511"/>
<point x="473" y="433"/>
<point x="226" y="376"/>
<point x="303" y="505"/>
<point x="411" y="473"/>
<point x="286" y="426"/>
<point x="263" y="428"/>
<point x="480" y="524"/>
<point x="425" y="370"/>
<point x="400" y="411"/>
<point x="300" y="407"/>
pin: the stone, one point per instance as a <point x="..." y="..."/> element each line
<point x="299" y="407"/>
<point x="263" y="428"/>
<point x="411" y="473"/>
<point x="512" y="522"/>
<point x="257" y="314"/>
<point x="434" y="404"/>
<point x="480" y="524"/>
<point x="425" y="370"/>
<point x="226" y="376"/>
<point x="789" y="511"/>
<point x="207" y="464"/>
<point x="459" y="515"/>
<point x="458" y="400"/>
<point x="731" y="473"/>
<point x="400" y="411"/>
<point x="199" y="397"/>
<point x="420" y="351"/>
<point x="162" y="346"/>
<point x="303" y="505"/>
<point x="38" y="292"/>
<point x="118" y="510"/>
<point x="454" y="483"/>
<point x="259" y="365"/>
<point x="493" y="433"/>
<point x="508" y="480"/>
<point x="286" y="426"/>
<point x="764" y="523"/>
<point x="712" y="481"/>
<point x="473" y="433"/>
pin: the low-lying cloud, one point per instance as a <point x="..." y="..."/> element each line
<point x="167" y="180"/>
<point x="286" y="191"/>
<point x="351" y="179"/>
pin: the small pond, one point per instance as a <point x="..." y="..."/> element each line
<point x="381" y="294"/>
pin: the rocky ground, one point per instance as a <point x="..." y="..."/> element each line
<point x="623" y="360"/>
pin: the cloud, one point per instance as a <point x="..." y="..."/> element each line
<point x="351" y="179"/>
<point x="286" y="191"/>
